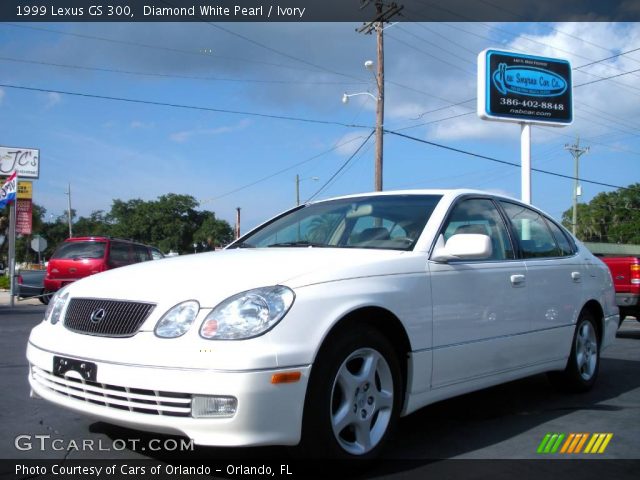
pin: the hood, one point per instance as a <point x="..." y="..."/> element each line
<point x="212" y="277"/>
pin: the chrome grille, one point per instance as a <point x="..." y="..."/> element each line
<point x="153" y="402"/>
<point x="120" y="318"/>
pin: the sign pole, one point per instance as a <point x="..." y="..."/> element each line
<point x="12" y="253"/>
<point x="525" y="162"/>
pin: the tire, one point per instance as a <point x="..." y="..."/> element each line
<point x="623" y="314"/>
<point x="46" y="297"/>
<point x="583" y="365"/>
<point x="354" y="397"/>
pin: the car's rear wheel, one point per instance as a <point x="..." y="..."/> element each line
<point x="583" y="365"/>
<point x="354" y="396"/>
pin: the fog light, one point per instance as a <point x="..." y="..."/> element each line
<point x="208" y="407"/>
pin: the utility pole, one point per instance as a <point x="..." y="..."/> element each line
<point x="576" y="152"/>
<point x="12" y="254"/>
<point x="297" y="189"/>
<point x="237" y="222"/>
<point x="68" y="193"/>
<point x="383" y="14"/>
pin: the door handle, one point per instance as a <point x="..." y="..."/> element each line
<point x="517" y="279"/>
<point x="576" y="276"/>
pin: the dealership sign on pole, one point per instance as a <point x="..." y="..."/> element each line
<point x="525" y="89"/>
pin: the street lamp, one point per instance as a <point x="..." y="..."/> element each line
<point x="346" y="96"/>
<point x="379" y="81"/>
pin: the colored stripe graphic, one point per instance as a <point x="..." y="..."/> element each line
<point x="598" y="443"/>
<point x="556" y="443"/>
<point x="551" y="442"/>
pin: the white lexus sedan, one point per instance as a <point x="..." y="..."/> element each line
<point x="325" y="324"/>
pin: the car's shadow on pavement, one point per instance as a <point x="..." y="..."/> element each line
<point x="634" y="334"/>
<point x="454" y="428"/>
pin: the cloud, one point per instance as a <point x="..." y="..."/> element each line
<point x="138" y="124"/>
<point x="185" y="135"/>
<point x="52" y="99"/>
<point x="2" y="94"/>
<point x="350" y="142"/>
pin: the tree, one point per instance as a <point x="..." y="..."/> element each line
<point x="213" y="232"/>
<point x="171" y="223"/>
<point x="612" y="217"/>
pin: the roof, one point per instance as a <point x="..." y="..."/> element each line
<point x="452" y="192"/>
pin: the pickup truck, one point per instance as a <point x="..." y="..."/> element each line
<point x="31" y="284"/>
<point x="626" y="279"/>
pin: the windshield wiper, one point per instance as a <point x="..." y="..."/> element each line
<point x="299" y="243"/>
<point x="242" y="245"/>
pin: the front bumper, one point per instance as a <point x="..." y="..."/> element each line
<point x="157" y="399"/>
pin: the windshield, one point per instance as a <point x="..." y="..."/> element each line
<point x="392" y="222"/>
<point x="80" y="250"/>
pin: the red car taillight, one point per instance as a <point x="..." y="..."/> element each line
<point x="635" y="274"/>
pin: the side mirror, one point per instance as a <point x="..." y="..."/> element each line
<point x="463" y="246"/>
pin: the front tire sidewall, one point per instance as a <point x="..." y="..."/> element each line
<point x="318" y="437"/>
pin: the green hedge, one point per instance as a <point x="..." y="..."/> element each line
<point x="4" y="281"/>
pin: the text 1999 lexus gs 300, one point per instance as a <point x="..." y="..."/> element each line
<point x="325" y="324"/>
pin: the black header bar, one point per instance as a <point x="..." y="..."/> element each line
<point x="316" y="10"/>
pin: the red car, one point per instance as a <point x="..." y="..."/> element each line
<point x="80" y="257"/>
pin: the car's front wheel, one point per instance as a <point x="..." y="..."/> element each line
<point x="354" y="396"/>
<point x="584" y="361"/>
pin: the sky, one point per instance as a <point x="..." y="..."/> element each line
<point x="204" y="123"/>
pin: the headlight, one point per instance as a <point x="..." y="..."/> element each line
<point x="177" y="321"/>
<point x="248" y="314"/>
<point x="55" y="307"/>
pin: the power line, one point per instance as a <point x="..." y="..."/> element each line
<point x="326" y="184"/>
<point x="188" y="107"/>
<point x="163" y="75"/>
<point x="284" y="54"/>
<point x="154" y="47"/>
<point x="492" y="159"/>
<point x="435" y="121"/>
<point x="439" y="47"/>
<point x="430" y="55"/>
<point x="235" y="190"/>
<point x="266" y="47"/>
<point x="189" y="52"/>
<point x="601" y="79"/>
<point x="608" y="58"/>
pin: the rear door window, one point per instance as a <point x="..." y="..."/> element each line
<point x="567" y="248"/>
<point x="119" y="254"/>
<point x="141" y="253"/>
<point x="532" y="231"/>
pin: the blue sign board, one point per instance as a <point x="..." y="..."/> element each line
<point x="524" y="88"/>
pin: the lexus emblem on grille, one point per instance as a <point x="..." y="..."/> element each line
<point x="98" y="315"/>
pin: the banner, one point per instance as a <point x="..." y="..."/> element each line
<point x="24" y="217"/>
<point x="9" y="190"/>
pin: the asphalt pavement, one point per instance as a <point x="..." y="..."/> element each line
<point x="506" y="422"/>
